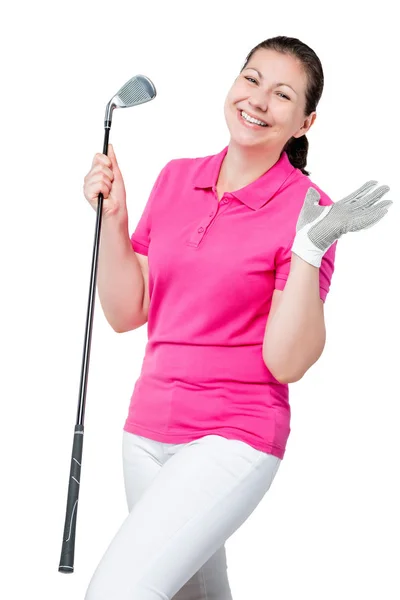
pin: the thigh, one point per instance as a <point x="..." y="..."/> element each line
<point x="142" y="460"/>
<point x="199" y="498"/>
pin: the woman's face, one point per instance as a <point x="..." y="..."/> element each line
<point x="272" y="89"/>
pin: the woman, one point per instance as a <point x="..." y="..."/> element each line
<point x="236" y="251"/>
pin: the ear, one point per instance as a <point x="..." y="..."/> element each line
<point x="306" y="125"/>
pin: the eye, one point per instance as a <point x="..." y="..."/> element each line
<point x="251" y="79"/>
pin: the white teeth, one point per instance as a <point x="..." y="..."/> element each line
<point x="251" y="120"/>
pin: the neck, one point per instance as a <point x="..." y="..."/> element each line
<point x="241" y="166"/>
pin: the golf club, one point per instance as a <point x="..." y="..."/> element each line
<point x="136" y="91"/>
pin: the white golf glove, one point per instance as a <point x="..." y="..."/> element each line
<point x="318" y="227"/>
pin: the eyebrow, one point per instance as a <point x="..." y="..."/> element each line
<point x="261" y="77"/>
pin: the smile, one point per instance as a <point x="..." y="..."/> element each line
<point x="250" y="120"/>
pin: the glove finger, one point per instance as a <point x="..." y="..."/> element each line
<point x="363" y="210"/>
<point x="310" y="209"/>
<point x="384" y="204"/>
<point x="372" y="198"/>
<point x="310" y="201"/>
<point x="312" y="196"/>
<point x="359" y="193"/>
<point x="368" y="218"/>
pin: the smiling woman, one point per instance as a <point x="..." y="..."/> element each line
<point x="236" y="253"/>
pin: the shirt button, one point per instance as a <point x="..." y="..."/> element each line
<point x="224" y="201"/>
<point x="200" y="229"/>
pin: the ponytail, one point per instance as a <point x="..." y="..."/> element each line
<point x="297" y="149"/>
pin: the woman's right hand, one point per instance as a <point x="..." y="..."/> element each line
<point x="105" y="177"/>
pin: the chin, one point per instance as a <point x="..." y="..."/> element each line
<point x="247" y="143"/>
<point x="245" y="140"/>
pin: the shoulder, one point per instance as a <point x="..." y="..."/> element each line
<point x="291" y="196"/>
<point x="298" y="185"/>
<point x="187" y="169"/>
<point x="306" y="183"/>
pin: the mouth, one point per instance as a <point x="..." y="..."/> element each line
<point x="251" y="121"/>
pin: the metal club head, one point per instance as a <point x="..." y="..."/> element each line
<point x="136" y="91"/>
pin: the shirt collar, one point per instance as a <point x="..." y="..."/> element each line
<point x="257" y="193"/>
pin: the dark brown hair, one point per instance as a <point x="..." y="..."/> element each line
<point x="297" y="148"/>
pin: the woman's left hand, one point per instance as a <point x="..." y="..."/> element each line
<point x="318" y="227"/>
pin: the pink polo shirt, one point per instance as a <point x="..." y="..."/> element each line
<point x="213" y="267"/>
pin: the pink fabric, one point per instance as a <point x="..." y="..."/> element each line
<point x="213" y="268"/>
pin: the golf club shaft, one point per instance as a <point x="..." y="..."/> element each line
<point x="66" y="564"/>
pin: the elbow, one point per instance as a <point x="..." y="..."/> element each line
<point x="282" y="375"/>
<point x="292" y="378"/>
<point x="129" y="326"/>
<point x="118" y="329"/>
<point x="139" y="318"/>
<point x="286" y="377"/>
<point x="293" y="368"/>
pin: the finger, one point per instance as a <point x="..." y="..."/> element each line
<point x="359" y="193"/>
<point x="101" y="169"/>
<point x="113" y="157"/>
<point x="374" y="197"/>
<point x="372" y="210"/>
<point x="101" y="187"/>
<point x="367" y="219"/>
<point x="384" y="204"/>
<point x="311" y="208"/>
<point x="363" y="210"/>
<point x="101" y="159"/>
<point x="377" y="218"/>
<point x="311" y="201"/>
<point x="312" y="196"/>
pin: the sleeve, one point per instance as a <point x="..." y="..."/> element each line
<point x="140" y="238"/>
<point x="282" y="269"/>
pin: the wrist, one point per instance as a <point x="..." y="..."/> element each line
<point x="305" y="249"/>
<point x="298" y="263"/>
<point x="115" y="221"/>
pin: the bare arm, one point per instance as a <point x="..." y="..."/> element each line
<point x="122" y="278"/>
<point x="295" y="333"/>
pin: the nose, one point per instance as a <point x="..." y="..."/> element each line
<point x="259" y="100"/>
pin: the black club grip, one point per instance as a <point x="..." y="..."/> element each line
<point x="68" y="546"/>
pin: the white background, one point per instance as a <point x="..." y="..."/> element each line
<point x="329" y="526"/>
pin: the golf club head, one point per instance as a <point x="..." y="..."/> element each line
<point x="136" y="91"/>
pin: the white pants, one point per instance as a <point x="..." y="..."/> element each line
<point x="185" y="501"/>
